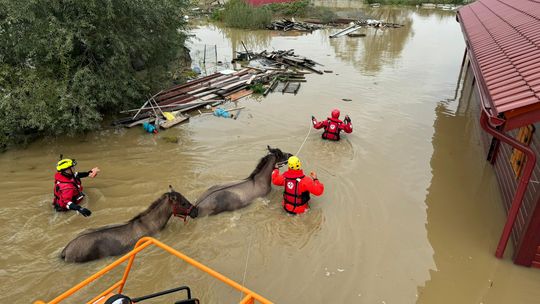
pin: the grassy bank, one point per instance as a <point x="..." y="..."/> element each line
<point x="239" y="14"/>
<point x="302" y="9"/>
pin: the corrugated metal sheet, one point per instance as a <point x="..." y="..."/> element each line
<point x="503" y="38"/>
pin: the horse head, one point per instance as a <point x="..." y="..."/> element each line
<point x="181" y="206"/>
<point x="281" y="157"/>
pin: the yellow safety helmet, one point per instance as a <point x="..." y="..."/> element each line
<point x="65" y="164"/>
<point x="294" y="163"/>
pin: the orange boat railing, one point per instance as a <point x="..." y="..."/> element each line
<point x="250" y="297"/>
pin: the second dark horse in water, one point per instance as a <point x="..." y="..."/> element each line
<point x="118" y="239"/>
<point x="239" y="194"/>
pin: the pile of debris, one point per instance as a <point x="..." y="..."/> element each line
<point x="281" y="60"/>
<point x="276" y="71"/>
<point x="167" y="107"/>
<point x="289" y="25"/>
<point x="377" y="23"/>
<point x="354" y="26"/>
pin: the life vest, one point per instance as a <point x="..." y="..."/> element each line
<point x="291" y="195"/>
<point x="63" y="183"/>
<point x="331" y="130"/>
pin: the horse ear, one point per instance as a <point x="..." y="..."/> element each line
<point x="171" y="190"/>
<point x="268" y="147"/>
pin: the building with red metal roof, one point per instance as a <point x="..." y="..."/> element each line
<point x="501" y="68"/>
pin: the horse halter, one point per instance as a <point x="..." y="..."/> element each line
<point x="183" y="214"/>
<point x="281" y="164"/>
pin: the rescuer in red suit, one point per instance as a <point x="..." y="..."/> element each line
<point x="333" y="125"/>
<point x="68" y="190"/>
<point x="297" y="186"/>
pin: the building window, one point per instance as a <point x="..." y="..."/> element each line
<point x="518" y="158"/>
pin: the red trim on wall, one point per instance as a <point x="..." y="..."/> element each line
<point x="523" y="182"/>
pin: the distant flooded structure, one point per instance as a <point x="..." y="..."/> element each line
<point x="501" y="86"/>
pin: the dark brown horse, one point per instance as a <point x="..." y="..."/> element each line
<point x="239" y="194"/>
<point x="118" y="239"/>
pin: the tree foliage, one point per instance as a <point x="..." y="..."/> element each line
<point x="64" y="63"/>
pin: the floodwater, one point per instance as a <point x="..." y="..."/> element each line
<point x="410" y="214"/>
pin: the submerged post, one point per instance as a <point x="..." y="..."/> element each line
<point x="204" y="56"/>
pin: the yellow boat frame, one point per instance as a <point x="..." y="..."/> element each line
<point x="249" y="298"/>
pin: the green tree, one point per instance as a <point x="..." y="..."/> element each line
<point x="65" y="63"/>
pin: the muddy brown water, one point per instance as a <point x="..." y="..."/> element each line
<point x="410" y="214"/>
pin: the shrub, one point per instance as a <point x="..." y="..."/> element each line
<point x="295" y="8"/>
<point x="239" y="14"/>
<point x="63" y="65"/>
<point x="257" y="88"/>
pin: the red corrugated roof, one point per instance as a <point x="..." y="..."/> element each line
<point x="503" y="39"/>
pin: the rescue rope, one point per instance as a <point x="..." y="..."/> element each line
<point x="302" y="145"/>
<point x="245" y="267"/>
<point x="251" y="236"/>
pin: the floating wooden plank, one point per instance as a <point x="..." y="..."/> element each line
<point x="251" y="79"/>
<point x="205" y="93"/>
<point x="270" y="87"/>
<point x="232" y="86"/>
<point x="208" y="97"/>
<point x="345" y="31"/>
<point x="189" y="83"/>
<point x="279" y="87"/>
<point x="240" y="94"/>
<point x="171" y="123"/>
<point x="285" y="87"/>
<point x="292" y="88"/>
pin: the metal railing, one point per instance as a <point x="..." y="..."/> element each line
<point x="249" y="296"/>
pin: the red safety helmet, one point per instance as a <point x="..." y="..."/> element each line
<point x="335" y="113"/>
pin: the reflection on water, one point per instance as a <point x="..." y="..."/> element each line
<point x="465" y="194"/>
<point x="397" y="221"/>
<point x="380" y="46"/>
<point x="221" y="44"/>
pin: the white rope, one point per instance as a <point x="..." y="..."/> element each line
<point x="302" y="145"/>
<point x="245" y="267"/>
<point x="251" y="236"/>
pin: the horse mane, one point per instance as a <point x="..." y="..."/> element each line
<point x="149" y="209"/>
<point x="153" y="206"/>
<point x="260" y="166"/>
<point x="251" y="177"/>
